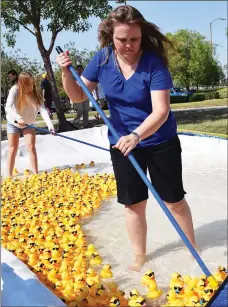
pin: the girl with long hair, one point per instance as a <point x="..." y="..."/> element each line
<point x="132" y="68"/>
<point x="23" y="103"/>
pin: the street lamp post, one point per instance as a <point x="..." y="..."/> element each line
<point x="211" y="32"/>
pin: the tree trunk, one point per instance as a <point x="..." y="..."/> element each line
<point x="63" y="123"/>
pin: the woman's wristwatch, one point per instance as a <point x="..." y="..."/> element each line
<point x="136" y="134"/>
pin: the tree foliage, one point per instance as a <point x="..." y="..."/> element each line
<point x="14" y="60"/>
<point x="53" y="16"/>
<point x="192" y="63"/>
<point x="78" y="58"/>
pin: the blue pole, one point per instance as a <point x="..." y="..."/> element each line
<point x="69" y="138"/>
<point x="140" y="171"/>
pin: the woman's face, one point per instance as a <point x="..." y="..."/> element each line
<point x="127" y="39"/>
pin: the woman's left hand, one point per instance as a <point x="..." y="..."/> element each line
<point x="126" y="144"/>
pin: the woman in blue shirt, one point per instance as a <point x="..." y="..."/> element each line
<point x="131" y="67"/>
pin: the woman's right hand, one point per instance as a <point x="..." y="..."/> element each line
<point x="63" y="60"/>
<point x="21" y="123"/>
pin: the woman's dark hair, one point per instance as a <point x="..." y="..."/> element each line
<point x="79" y="66"/>
<point x="12" y="72"/>
<point x="152" y="39"/>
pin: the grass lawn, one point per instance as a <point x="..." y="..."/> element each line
<point x="216" y="127"/>
<point x="175" y="106"/>
<point x="198" y="104"/>
<point x="67" y="115"/>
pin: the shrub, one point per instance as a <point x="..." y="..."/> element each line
<point x="66" y="107"/>
<point x="211" y="95"/>
<point x="197" y="97"/>
<point x="205" y="90"/>
<point x="178" y="99"/>
<point x="223" y="93"/>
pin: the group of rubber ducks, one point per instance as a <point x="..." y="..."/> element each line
<point x="76" y="166"/>
<point x="186" y="290"/>
<point x="42" y="224"/>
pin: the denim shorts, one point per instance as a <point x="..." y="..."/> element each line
<point x="13" y="129"/>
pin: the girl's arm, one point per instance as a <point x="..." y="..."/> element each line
<point x="10" y="105"/>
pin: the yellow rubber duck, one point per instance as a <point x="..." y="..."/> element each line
<point x="178" y="288"/>
<point x="91" y="301"/>
<point x="68" y="292"/>
<point x="171" y="296"/>
<point x="154" y="292"/>
<point x="176" y="303"/>
<point x="208" y="290"/>
<point x="15" y="171"/>
<point x="200" y="286"/>
<point x="221" y="274"/>
<point x="176" y="277"/>
<point x="102" y="297"/>
<point x="53" y="276"/>
<point x="191" y="300"/>
<point x="113" y="288"/>
<point x="106" y="272"/>
<point x="121" y="296"/>
<point x="95" y="259"/>
<point x="140" y="301"/>
<point x="203" y="300"/>
<point x="27" y="172"/>
<point x="79" y="282"/>
<point x="32" y="260"/>
<point x="114" y="301"/>
<point x="82" y="165"/>
<point x="133" y="295"/>
<point x="148" y="278"/>
<point x="192" y="282"/>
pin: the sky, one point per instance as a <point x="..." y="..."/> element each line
<point x="169" y="16"/>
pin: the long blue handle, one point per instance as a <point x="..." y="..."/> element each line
<point x="140" y="171"/>
<point x="69" y="138"/>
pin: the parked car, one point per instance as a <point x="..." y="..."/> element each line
<point x="180" y="92"/>
<point x="177" y="91"/>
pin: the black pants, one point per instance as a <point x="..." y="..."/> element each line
<point x="164" y="164"/>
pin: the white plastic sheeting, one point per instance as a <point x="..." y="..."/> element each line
<point x="205" y="181"/>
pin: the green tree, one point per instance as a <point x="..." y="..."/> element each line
<point x="191" y="63"/>
<point x="58" y="15"/>
<point x="78" y="58"/>
<point x="180" y="57"/>
<point x="13" y="60"/>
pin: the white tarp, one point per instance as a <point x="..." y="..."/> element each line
<point x="205" y="181"/>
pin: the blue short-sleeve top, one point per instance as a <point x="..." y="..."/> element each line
<point x="129" y="101"/>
